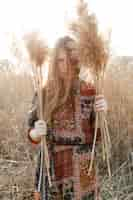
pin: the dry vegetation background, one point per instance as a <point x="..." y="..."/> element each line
<point x="17" y="155"/>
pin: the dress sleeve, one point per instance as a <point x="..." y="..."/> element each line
<point x="92" y="92"/>
<point x="32" y="116"/>
<point x="89" y="91"/>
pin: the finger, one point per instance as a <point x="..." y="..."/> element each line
<point x="40" y="123"/>
<point x="40" y="129"/>
<point x="99" y="97"/>
<point x="40" y="126"/>
<point x="102" y="104"/>
<point x="41" y="132"/>
<point x="98" y="102"/>
<point x="101" y="108"/>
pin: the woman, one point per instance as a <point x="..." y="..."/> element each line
<point x="69" y="118"/>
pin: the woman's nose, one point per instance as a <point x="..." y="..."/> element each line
<point x="75" y="53"/>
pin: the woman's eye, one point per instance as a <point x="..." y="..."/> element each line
<point x="60" y="60"/>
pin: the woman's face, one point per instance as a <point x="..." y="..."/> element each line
<point x="62" y="63"/>
<point x="73" y="52"/>
<point x="70" y="53"/>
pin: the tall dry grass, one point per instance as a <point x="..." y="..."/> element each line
<point x="118" y="91"/>
<point x="17" y="156"/>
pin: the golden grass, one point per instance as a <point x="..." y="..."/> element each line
<point x="36" y="47"/>
<point x="93" y="48"/>
<point x="94" y="54"/>
<point x="17" y="155"/>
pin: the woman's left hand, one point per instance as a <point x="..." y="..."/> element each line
<point x="100" y="104"/>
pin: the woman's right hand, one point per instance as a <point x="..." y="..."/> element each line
<point x="37" y="196"/>
<point x="39" y="130"/>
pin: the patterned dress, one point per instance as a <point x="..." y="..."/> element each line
<point x="70" y="137"/>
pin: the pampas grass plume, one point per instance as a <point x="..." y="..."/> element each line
<point x="36" y="47"/>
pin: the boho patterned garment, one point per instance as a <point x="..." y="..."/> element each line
<point x="70" y="138"/>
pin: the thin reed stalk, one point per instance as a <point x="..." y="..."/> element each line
<point x="37" y="50"/>
<point x="94" y="53"/>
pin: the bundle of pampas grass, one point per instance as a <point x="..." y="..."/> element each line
<point x="36" y="47"/>
<point x="38" y="53"/>
<point x="94" y="54"/>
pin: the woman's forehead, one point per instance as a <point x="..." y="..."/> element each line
<point x="71" y="45"/>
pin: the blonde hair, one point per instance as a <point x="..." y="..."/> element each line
<point x="55" y="94"/>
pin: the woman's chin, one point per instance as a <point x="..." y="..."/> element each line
<point x="74" y="61"/>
